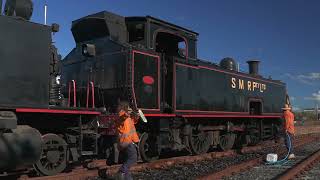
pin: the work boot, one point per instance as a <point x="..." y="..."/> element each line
<point x="120" y="176"/>
<point x="102" y="173"/>
<point x="291" y="156"/>
<point x="128" y="176"/>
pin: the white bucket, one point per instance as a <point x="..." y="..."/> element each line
<point x="272" y="158"/>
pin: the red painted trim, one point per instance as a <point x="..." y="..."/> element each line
<point x="226" y="72"/>
<point x="69" y="93"/>
<point x="145" y="53"/>
<point x="74" y="93"/>
<point x="227" y="116"/>
<point x="222" y="112"/>
<point x="273" y="114"/>
<point x="132" y="82"/>
<point x="160" y="115"/>
<point x="56" y="111"/>
<point x="213" y="116"/>
<point x="149" y="109"/>
<point x="90" y="86"/>
<point x="174" y="88"/>
<point x="187" y="65"/>
<point x="92" y="89"/>
<point x="203" y="67"/>
<point x="88" y="93"/>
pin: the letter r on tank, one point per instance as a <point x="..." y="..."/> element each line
<point x="249" y="85"/>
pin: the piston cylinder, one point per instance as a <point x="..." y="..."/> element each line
<point x="19" y="148"/>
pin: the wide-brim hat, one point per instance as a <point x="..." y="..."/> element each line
<point x="286" y="107"/>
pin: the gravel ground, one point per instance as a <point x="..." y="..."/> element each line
<point x="272" y="171"/>
<point x="312" y="174"/>
<point x="192" y="171"/>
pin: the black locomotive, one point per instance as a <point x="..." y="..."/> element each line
<point x="190" y="104"/>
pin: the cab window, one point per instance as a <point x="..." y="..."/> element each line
<point x="136" y="31"/>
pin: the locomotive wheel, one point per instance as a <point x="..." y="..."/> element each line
<point x="53" y="158"/>
<point x="226" y="141"/>
<point x="147" y="148"/>
<point x="200" y="141"/>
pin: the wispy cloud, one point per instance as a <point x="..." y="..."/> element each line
<point x="315" y="97"/>
<point x="310" y="78"/>
<point x="296" y="108"/>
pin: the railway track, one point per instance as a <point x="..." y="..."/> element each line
<point x="308" y="168"/>
<point x="257" y="169"/>
<point x="196" y="169"/>
<point x="93" y="168"/>
<point x="149" y="170"/>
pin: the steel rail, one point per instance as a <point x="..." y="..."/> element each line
<point x="301" y="167"/>
<point x="231" y="170"/>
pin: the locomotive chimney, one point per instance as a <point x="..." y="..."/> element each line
<point x="254" y="67"/>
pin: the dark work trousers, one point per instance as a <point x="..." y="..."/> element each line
<point x="130" y="159"/>
<point x="287" y="141"/>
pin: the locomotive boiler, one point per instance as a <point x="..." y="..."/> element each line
<point x="190" y="103"/>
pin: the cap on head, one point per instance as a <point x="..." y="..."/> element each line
<point x="286" y="107"/>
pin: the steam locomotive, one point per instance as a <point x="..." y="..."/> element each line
<point x="190" y="104"/>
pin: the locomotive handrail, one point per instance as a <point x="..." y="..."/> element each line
<point x="90" y="87"/>
<point x="74" y="93"/>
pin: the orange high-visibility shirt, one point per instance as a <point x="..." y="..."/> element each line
<point x="127" y="130"/>
<point x="289" y="121"/>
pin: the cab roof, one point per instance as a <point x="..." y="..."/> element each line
<point x="162" y="22"/>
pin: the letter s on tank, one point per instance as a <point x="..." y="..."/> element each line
<point x="233" y="83"/>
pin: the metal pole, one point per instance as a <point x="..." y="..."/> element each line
<point x="317" y="112"/>
<point x="45" y="14"/>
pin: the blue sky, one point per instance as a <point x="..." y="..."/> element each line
<point x="284" y="35"/>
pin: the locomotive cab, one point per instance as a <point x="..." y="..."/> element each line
<point x="166" y="42"/>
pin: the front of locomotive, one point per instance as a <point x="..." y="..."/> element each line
<point x="98" y="63"/>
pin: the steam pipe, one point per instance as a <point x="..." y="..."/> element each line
<point x="45" y="14"/>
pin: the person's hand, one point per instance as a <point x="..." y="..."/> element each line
<point x="135" y="115"/>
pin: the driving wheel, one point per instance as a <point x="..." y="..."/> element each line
<point x="53" y="158"/>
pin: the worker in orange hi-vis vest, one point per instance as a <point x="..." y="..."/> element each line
<point x="128" y="138"/>
<point x="288" y="117"/>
